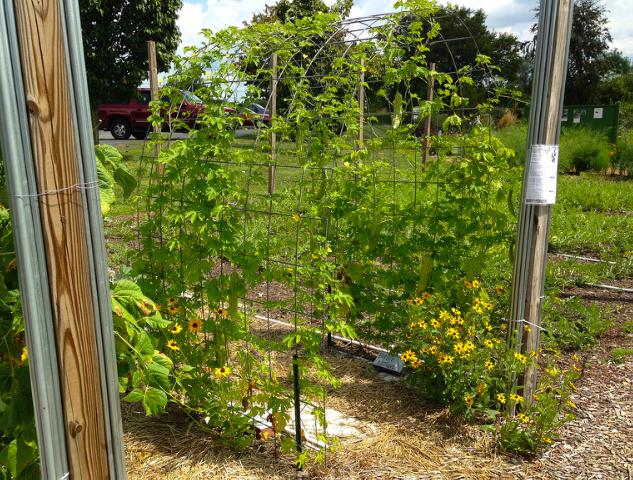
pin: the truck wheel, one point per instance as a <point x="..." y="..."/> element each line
<point x="140" y="134"/>
<point x="120" y="129"/>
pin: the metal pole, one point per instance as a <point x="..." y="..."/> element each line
<point x="32" y="271"/>
<point x="273" y="136"/>
<point x="297" y="402"/>
<point x="427" y="129"/>
<point x="56" y="166"/>
<point x="554" y="29"/>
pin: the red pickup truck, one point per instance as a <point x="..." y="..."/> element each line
<point x="125" y="119"/>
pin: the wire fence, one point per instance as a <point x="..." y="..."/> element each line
<point x="330" y="212"/>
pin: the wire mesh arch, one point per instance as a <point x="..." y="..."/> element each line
<point x="355" y="227"/>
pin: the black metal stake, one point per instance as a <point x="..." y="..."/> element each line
<point x="297" y="392"/>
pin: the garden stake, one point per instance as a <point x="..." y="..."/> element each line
<point x="297" y="395"/>
<point x="534" y="221"/>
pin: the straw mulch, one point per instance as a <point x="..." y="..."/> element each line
<point x="412" y="439"/>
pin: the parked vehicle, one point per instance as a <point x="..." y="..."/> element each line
<point x="253" y="115"/>
<point x="131" y="118"/>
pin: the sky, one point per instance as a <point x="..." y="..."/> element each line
<point x="515" y="16"/>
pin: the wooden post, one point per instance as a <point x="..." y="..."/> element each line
<point x="60" y="193"/>
<point x="153" y="84"/>
<point x="427" y="127"/>
<point x="544" y="130"/>
<point x="273" y="136"/>
<point x="361" y="105"/>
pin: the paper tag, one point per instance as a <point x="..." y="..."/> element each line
<point x="598" y="112"/>
<point x="543" y="175"/>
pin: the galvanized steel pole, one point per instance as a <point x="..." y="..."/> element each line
<point x="550" y="68"/>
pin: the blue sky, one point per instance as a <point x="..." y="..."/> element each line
<point x="514" y="16"/>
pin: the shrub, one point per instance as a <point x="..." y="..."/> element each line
<point x="458" y="355"/>
<point x="515" y="138"/>
<point x="582" y="149"/>
<point x="572" y="324"/>
<point x="507" y="120"/>
<point x="623" y="154"/>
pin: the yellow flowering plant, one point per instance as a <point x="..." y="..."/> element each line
<point x="460" y="357"/>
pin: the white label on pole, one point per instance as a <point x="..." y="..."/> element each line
<point x="597" y="112"/>
<point x="543" y="174"/>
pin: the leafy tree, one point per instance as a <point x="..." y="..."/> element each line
<point x="616" y="89"/>
<point x="590" y="58"/>
<point x="115" y="35"/>
<point x="469" y="25"/>
<point x="288" y="10"/>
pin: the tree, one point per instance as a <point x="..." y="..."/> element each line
<point x="616" y="89"/>
<point x="115" y="35"/>
<point x="590" y="58"/>
<point x="288" y="10"/>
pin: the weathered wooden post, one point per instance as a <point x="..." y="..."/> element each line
<point x="427" y="123"/>
<point x="539" y="180"/>
<point x="54" y="191"/>
<point x="153" y="86"/>
<point x="361" y="105"/>
<point x="273" y="135"/>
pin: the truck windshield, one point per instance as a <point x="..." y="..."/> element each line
<point x="192" y="98"/>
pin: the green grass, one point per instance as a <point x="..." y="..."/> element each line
<point x="619" y="354"/>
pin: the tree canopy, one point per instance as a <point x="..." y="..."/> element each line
<point x="115" y="35"/>
<point x="591" y="59"/>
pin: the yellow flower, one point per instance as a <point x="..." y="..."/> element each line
<point x="523" y="418"/>
<point x="432" y="349"/>
<point x="222" y="312"/>
<point x="488" y="327"/>
<point x="25" y="354"/>
<point x="548" y="440"/>
<point x="173" y="309"/>
<point x="173" y="345"/>
<point x="176" y="329"/>
<point x="423" y="325"/>
<point x="468" y="283"/>
<point x="407" y="356"/>
<point x="477" y="308"/>
<point x="296" y="217"/>
<point x="489" y="343"/>
<point x="552" y="371"/>
<point x="489" y="365"/>
<point x="571" y="404"/>
<point x="444" y="315"/>
<point x="222" y="372"/>
<point x="195" y="325"/>
<point x="469" y="400"/>
<point x="426" y="296"/>
<point x="459" y="348"/>
<point x="481" y="388"/>
<point x="501" y="398"/>
<point x="452" y="332"/>
<point x="416" y="363"/>
<point x="520" y="357"/>
<point x="456" y="312"/>
<point x="469" y="346"/>
<point x="537" y="397"/>
<point x="516" y="397"/>
<point x="527" y="328"/>
<point x="435" y="323"/>
<point x="500" y="290"/>
<point x="409" y="301"/>
<point x="418" y="301"/>
<point x="172" y="301"/>
<point x="445" y="359"/>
